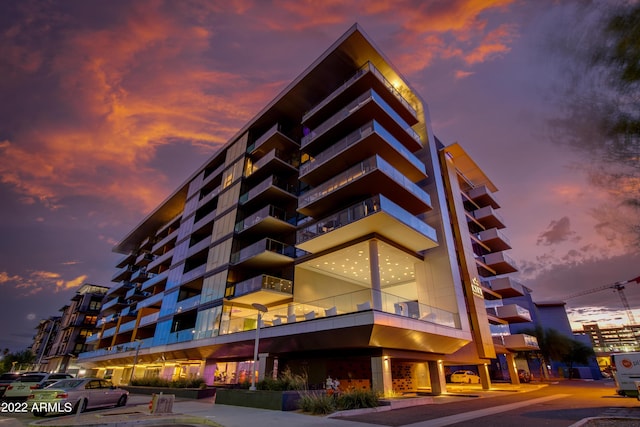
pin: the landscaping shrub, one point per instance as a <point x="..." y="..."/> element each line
<point x="322" y="403"/>
<point x="161" y="382"/>
<point x="357" y="399"/>
<point x="317" y="403"/>
<point x="287" y="381"/>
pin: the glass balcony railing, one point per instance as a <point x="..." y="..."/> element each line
<point x="154" y="280"/>
<point x="342" y="304"/>
<point x="363" y="168"/>
<point x="126" y="327"/>
<point x="261" y="246"/>
<point x="263" y="281"/>
<point x="274" y="181"/>
<point x="361" y="210"/>
<point x="181" y="336"/>
<point x="114" y="302"/>
<point x="368" y="67"/>
<point x="353" y="106"/>
<point x="273" y="154"/>
<point x="149" y="318"/>
<point x="267" y="211"/>
<point x="130" y="346"/>
<point x="152" y="300"/>
<point x="190" y="275"/>
<point x="275" y="129"/>
<point x="187" y="304"/>
<point x="352" y="139"/>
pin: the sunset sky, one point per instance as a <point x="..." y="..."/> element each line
<point x="108" y="106"/>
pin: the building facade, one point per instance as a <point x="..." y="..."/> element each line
<point x="46" y="332"/>
<point x="336" y="210"/>
<point x="78" y="321"/>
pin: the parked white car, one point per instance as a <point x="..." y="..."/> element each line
<point x="76" y="395"/>
<point x="26" y="383"/>
<point x="469" y="377"/>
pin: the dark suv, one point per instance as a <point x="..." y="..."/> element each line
<point x="6" y="379"/>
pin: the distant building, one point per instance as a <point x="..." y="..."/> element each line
<point x="376" y="250"/>
<point x="46" y="332"/>
<point x="618" y="339"/>
<point x="77" y="323"/>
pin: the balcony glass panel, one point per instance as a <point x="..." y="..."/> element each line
<point x="164" y="241"/>
<point x="267" y="211"/>
<point x="150" y="318"/>
<point x="271" y="181"/>
<point x="368" y="67"/>
<point x="193" y="274"/>
<point x="181" y="336"/>
<point x="361" y="210"/>
<point x="357" y="171"/>
<point x="499" y="330"/>
<point x="273" y="154"/>
<point x="155" y="280"/>
<point x="126" y="327"/>
<point x="151" y="300"/>
<point x="187" y="304"/>
<point x="340" y="304"/>
<point x="369" y="95"/>
<point x="262" y="246"/>
<point x="113" y="303"/>
<point x="263" y="281"/>
<point x="352" y="139"/>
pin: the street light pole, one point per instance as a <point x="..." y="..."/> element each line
<point x="135" y="361"/>
<point x="261" y="309"/>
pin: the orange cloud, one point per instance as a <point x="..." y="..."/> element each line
<point x="38" y="281"/>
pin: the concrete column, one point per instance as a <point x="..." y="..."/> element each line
<point x="437" y="377"/>
<point x="483" y="370"/>
<point x="513" y="371"/>
<point x="262" y="365"/>
<point x="381" y="380"/>
<point x="374" y="267"/>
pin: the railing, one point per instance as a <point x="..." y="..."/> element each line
<point x="120" y="286"/>
<point x="209" y="196"/>
<point x="123" y="271"/>
<point x="353" y="106"/>
<point x="267" y="211"/>
<point x="113" y="303"/>
<point x="192" y="274"/>
<point x="486" y="211"/>
<point x="120" y="348"/>
<point x="263" y="281"/>
<point x="151" y="300"/>
<point x="361" y="210"/>
<point x="265" y="137"/>
<point x="125" y="327"/>
<point x="357" y="171"/>
<point x="343" y="304"/>
<point x="155" y="280"/>
<point x="149" y="318"/>
<point x="165" y="240"/>
<point x="487" y="234"/>
<point x="270" y="181"/>
<point x="352" y="139"/>
<point x="273" y="154"/>
<point x="368" y="67"/>
<point x="187" y="304"/>
<point x="181" y="336"/>
<point x="260" y="247"/>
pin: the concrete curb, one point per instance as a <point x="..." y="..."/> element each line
<point x="586" y="421"/>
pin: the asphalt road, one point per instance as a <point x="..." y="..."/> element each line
<point x="557" y="405"/>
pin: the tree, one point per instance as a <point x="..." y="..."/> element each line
<point x="578" y="353"/>
<point x="24" y="357"/>
<point x="601" y="107"/>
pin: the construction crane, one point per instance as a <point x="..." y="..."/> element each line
<point x="618" y="287"/>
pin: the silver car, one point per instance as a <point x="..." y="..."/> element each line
<point x="27" y="382"/>
<point x="76" y="395"/>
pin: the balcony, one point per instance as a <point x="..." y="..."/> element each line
<point x="194" y="273"/>
<point x="375" y="215"/>
<point x="108" y="332"/>
<point x="494" y="239"/>
<point x="125" y="260"/>
<point x="506" y="287"/>
<point x="520" y="342"/>
<point x="144" y="259"/>
<point x="164" y="241"/>
<point x="373" y="173"/>
<point x="93" y="338"/>
<point x="367" y="141"/>
<point x="136" y="295"/>
<point x="140" y="276"/>
<point x="114" y="303"/>
<point x="123" y="274"/>
<point x="263" y="289"/>
<point x="512" y="313"/>
<point x="488" y="217"/>
<point x="200" y="246"/>
<point x="368" y="76"/>
<point x="264" y="254"/>
<point x="365" y="107"/>
<point x="269" y="219"/>
<point x="500" y="262"/>
<point x="152" y="301"/>
<point x="120" y="289"/>
<point x="161" y="259"/>
<point x="126" y="327"/>
<point x="483" y="197"/>
<point x="272" y="162"/>
<point x="272" y="139"/>
<point x="158" y="278"/>
<point x="187" y="304"/>
<point x="273" y="188"/>
<point x="209" y="196"/>
<point x="149" y="319"/>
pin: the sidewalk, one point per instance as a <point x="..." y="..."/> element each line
<point x="204" y="412"/>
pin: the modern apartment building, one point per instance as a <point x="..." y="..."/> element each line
<point x="609" y="340"/>
<point x="337" y="210"/>
<point x="43" y="340"/>
<point x="78" y="321"/>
